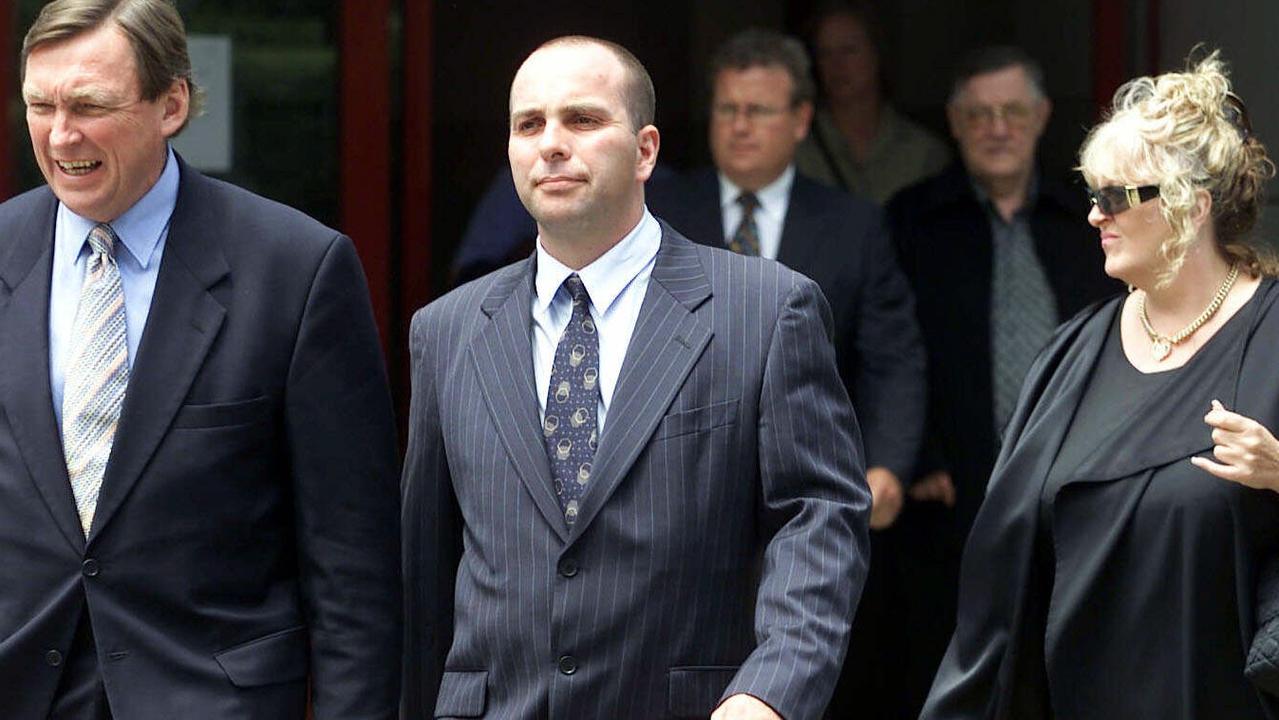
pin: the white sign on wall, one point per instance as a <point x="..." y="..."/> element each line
<point x="206" y="142"/>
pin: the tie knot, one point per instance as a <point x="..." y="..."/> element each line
<point x="577" y="290"/>
<point x="748" y="201"/>
<point x="102" y="240"/>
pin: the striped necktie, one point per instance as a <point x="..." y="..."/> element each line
<point x="97" y="374"/>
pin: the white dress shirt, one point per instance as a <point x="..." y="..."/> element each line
<point x="773" y="198"/>
<point x="616" y="282"/>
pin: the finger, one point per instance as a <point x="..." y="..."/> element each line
<point x="948" y="494"/>
<point x="1226" y="472"/>
<point x="1228" y="454"/>
<point x="1220" y="417"/>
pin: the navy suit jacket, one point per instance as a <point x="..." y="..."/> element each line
<point x="839" y="241"/>
<point x="246" y="531"/>
<point x="721" y="547"/>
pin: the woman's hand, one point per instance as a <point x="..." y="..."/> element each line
<point x="1246" y="452"/>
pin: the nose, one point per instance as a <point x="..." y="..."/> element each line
<point x="741" y="124"/>
<point x="1096" y="217"/>
<point x="999" y="124"/>
<point x="63" y="130"/>
<point x="553" y="142"/>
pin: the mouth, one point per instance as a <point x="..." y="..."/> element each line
<point x="77" y="168"/>
<point x="558" y="182"/>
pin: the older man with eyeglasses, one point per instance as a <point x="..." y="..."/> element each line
<point x="998" y="255"/>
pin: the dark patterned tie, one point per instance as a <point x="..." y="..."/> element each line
<point x="745" y="239"/>
<point x="571" y="427"/>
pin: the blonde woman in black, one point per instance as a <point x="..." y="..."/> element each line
<point x="1112" y="570"/>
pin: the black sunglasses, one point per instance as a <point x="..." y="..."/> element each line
<point x="1114" y="199"/>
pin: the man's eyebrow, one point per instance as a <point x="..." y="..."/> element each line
<point x="33" y="94"/>
<point x="94" y="96"/>
<point x="585" y="108"/>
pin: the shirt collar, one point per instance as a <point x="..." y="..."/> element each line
<point x="608" y="275"/>
<point x="983" y="198"/>
<point x="772" y="197"/>
<point x="139" y="228"/>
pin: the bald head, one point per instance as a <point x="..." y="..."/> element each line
<point x="638" y="96"/>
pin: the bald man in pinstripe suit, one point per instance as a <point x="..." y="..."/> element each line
<point x="634" y="485"/>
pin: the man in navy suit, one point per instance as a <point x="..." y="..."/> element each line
<point x="634" y="484"/>
<point x="755" y="202"/>
<point x="198" y="502"/>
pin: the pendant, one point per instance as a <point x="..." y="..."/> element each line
<point x="1160" y="348"/>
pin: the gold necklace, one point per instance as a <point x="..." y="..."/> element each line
<point x="1161" y="345"/>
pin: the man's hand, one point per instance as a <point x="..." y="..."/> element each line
<point x="886" y="497"/>
<point x="936" y="486"/>
<point x="1246" y="452"/>
<point x="744" y="707"/>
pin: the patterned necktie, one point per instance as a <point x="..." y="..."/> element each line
<point x="96" y="376"/>
<point x="571" y="427"/>
<point x="745" y="239"/>
<point x="1023" y="313"/>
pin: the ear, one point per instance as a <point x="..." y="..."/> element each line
<point x="953" y="119"/>
<point x="1201" y="213"/>
<point x="177" y="105"/>
<point x="804" y="116"/>
<point x="1042" y="113"/>
<point x="648" y="142"/>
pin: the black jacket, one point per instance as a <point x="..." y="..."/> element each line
<point x="944" y="240"/>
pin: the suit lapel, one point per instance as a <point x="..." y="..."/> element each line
<point x="502" y="352"/>
<point x="703" y="219"/>
<point x="181" y="326"/>
<point x="666" y="343"/>
<point x="799" y="241"/>
<point x="27" y="397"/>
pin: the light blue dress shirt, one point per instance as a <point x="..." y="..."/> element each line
<point x="142" y="231"/>
<point x="774" y="199"/>
<point x="616" y="282"/>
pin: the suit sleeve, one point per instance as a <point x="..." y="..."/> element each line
<point x="890" y="384"/>
<point x="432" y="531"/>
<point x="341" y="435"/>
<point x="906" y="244"/>
<point x="814" y="510"/>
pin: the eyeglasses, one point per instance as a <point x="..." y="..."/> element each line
<point x="1114" y="199"/>
<point x="728" y="112"/>
<point x="1014" y="114"/>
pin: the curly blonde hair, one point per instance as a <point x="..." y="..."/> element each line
<point x="1186" y="132"/>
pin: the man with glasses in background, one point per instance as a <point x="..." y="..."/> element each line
<point x="998" y="255"/>
<point x="754" y="202"/>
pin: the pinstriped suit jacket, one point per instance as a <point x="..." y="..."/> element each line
<point x="721" y="547"/>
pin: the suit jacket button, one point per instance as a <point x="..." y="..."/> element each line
<point x="568" y="567"/>
<point x="90" y="568"/>
<point x="53" y="658"/>
<point x="568" y="664"/>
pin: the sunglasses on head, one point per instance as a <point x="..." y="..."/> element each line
<point x="1114" y="199"/>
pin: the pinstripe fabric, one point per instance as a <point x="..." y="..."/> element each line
<point x="721" y="545"/>
<point x="97" y="373"/>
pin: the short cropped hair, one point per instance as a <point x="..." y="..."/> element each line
<point x="153" y="27"/>
<point x="767" y="48"/>
<point x="638" y="94"/>
<point x="994" y="58"/>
